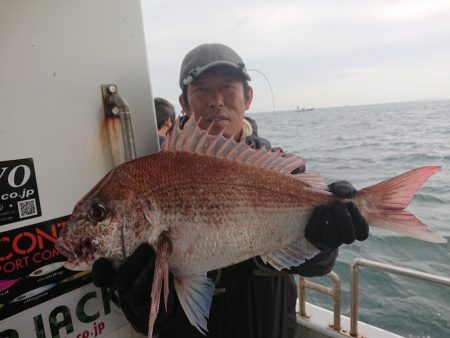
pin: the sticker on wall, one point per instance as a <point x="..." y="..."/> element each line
<point x="45" y="270"/>
<point x="31" y="268"/>
<point x="33" y="293"/>
<point x="19" y="198"/>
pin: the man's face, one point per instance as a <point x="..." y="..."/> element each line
<point x="219" y="100"/>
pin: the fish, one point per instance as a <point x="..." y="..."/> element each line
<point x="206" y="202"/>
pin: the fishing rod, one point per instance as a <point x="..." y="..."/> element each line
<point x="268" y="83"/>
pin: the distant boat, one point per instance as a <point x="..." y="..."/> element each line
<point x="303" y="109"/>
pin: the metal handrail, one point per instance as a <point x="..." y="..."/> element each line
<point x="354" y="284"/>
<point x="116" y="106"/>
<point x="334" y="292"/>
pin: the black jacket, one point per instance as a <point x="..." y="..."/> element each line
<point x="251" y="299"/>
<point x="251" y="302"/>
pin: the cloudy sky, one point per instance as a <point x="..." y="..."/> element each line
<point x="310" y="53"/>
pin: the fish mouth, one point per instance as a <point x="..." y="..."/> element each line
<point x="77" y="265"/>
<point x="65" y="249"/>
<point x="75" y="261"/>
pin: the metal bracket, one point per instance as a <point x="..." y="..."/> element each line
<point x="116" y="106"/>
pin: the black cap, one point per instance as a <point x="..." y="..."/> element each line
<point x="207" y="56"/>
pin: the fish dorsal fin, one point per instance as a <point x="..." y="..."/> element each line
<point x="196" y="140"/>
<point x="313" y="180"/>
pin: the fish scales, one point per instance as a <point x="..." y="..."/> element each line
<point x="205" y="206"/>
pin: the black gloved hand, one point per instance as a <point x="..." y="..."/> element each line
<point x="133" y="283"/>
<point x="332" y="225"/>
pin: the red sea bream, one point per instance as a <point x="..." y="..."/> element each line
<point x="205" y="202"/>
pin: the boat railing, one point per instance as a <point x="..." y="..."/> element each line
<point x="354" y="283"/>
<point x="335" y="291"/>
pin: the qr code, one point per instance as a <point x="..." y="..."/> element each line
<point x="27" y="208"/>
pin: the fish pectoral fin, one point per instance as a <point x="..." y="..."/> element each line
<point x="195" y="295"/>
<point x="292" y="255"/>
<point x="160" y="280"/>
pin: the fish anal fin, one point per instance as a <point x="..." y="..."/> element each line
<point x="195" y="295"/>
<point x="292" y="255"/>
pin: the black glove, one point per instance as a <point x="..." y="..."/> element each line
<point x="133" y="283"/>
<point x="332" y="225"/>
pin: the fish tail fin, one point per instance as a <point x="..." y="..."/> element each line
<point x="160" y="279"/>
<point x="389" y="198"/>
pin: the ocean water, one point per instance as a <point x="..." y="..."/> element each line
<point x="365" y="145"/>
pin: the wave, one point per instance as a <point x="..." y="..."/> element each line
<point x="416" y="157"/>
<point x="366" y="145"/>
<point x="427" y="198"/>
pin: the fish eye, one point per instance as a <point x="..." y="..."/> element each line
<point x="97" y="213"/>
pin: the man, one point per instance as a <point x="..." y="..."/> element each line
<point x="165" y="116"/>
<point x="252" y="300"/>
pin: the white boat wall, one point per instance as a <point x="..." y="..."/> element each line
<point x="55" y="144"/>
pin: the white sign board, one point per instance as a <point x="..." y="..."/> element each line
<point x="55" y="145"/>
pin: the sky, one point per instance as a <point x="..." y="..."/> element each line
<point x="320" y="53"/>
